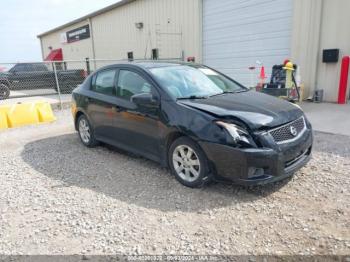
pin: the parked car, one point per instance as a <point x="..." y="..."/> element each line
<point x="198" y="122"/>
<point x="38" y="76"/>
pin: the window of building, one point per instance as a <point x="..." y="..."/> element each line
<point x="130" y="83"/>
<point x="104" y="82"/>
<point x="155" y="54"/>
<point x="130" y="56"/>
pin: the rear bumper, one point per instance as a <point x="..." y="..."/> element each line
<point x="236" y="165"/>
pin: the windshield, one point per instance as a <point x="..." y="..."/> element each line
<point x="189" y="82"/>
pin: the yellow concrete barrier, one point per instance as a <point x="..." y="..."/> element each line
<point x="3" y="120"/>
<point x="22" y="114"/>
<point x="25" y="114"/>
<point x="45" y="112"/>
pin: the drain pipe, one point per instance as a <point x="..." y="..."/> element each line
<point x="315" y="87"/>
<point x="92" y="42"/>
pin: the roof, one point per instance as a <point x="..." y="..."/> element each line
<point x="148" y="64"/>
<point x="96" y="13"/>
<point x="157" y="64"/>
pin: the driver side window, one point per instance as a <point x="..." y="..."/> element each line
<point x="130" y="83"/>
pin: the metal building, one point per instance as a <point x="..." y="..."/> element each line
<point x="237" y="34"/>
<point x="230" y="35"/>
<point x="130" y="29"/>
<point x="319" y="26"/>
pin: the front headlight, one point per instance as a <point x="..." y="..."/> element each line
<point x="237" y="133"/>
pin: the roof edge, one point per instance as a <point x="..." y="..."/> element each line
<point x="93" y="14"/>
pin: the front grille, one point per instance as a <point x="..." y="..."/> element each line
<point x="288" y="132"/>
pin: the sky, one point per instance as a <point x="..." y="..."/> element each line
<point x="22" y="20"/>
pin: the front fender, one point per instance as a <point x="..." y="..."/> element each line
<point x="193" y="123"/>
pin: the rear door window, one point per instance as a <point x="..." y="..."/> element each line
<point x="20" y="68"/>
<point x="104" y="82"/>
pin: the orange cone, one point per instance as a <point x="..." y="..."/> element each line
<point x="262" y="77"/>
<point x="262" y="73"/>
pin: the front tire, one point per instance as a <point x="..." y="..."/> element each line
<point x="188" y="163"/>
<point x="4" y="91"/>
<point x="86" y="133"/>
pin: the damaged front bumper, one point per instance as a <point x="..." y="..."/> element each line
<point x="253" y="166"/>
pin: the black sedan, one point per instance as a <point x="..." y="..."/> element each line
<point x="198" y="122"/>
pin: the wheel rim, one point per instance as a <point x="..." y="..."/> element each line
<point x="186" y="163"/>
<point x="3" y="90"/>
<point x="84" y="131"/>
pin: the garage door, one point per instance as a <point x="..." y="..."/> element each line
<point x="238" y="33"/>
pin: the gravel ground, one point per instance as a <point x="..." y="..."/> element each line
<point x="58" y="197"/>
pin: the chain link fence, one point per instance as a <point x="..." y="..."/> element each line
<point x="49" y="80"/>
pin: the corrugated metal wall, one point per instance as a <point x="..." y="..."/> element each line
<point x="237" y="33"/>
<point x="169" y="25"/>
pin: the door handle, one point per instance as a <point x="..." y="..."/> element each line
<point x="87" y="99"/>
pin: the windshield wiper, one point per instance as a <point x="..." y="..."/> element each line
<point x="230" y="92"/>
<point x="192" y="97"/>
<point x="241" y="91"/>
<point x="226" y="92"/>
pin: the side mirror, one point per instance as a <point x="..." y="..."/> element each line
<point x="145" y="99"/>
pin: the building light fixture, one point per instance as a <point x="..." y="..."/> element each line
<point x="139" y="25"/>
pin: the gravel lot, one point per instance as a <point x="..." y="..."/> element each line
<point x="58" y="197"/>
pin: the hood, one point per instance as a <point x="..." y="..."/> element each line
<point x="255" y="109"/>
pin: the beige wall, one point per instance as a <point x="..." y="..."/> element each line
<point x="318" y="25"/>
<point x="73" y="51"/>
<point x="335" y="33"/>
<point x="169" y="25"/>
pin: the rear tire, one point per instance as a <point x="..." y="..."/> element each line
<point x="4" y="91"/>
<point x="188" y="163"/>
<point x="86" y="132"/>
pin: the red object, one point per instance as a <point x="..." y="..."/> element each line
<point x="286" y="61"/>
<point x="262" y="78"/>
<point x="262" y="73"/>
<point x="55" y="55"/>
<point x="191" y="59"/>
<point x="343" y="83"/>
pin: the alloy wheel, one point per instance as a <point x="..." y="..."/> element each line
<point x="186" y="163"/>
<point x="84" y="130"/>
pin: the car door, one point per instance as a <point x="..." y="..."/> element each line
<point x="137" y="126"/>
<point x="100" y="101"/>
<point x="42" y="77"/>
